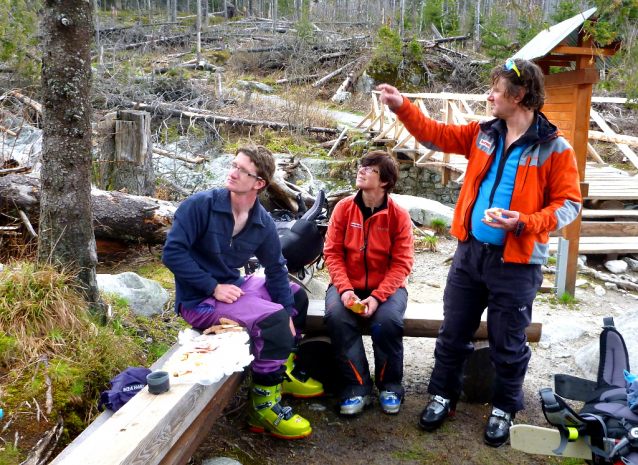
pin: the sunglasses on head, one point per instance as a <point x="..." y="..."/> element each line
<point x="510" y="65"/>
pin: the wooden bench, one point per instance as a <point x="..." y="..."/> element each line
<point x="153" y="429"/>
<point x="421" y="320"/>
<point x="167" y="428"/>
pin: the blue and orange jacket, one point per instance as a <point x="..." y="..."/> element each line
<point x="546" y="188"/>
<point x="376" y="254"/>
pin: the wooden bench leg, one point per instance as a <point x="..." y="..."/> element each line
<point x="478" y="376"/>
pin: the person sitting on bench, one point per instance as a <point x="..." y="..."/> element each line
<point x="369" y="254"/>
<point x="214" y="234"/>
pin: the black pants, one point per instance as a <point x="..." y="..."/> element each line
<point x="386" y="326"/>
<point x="478" y="279"/>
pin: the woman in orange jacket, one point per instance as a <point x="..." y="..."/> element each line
<point x="369" y="253"/>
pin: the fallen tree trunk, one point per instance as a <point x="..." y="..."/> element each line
<point x="117" y="216"/>
<point x="165" y="109"/>
<point x="203" y="65"/>
<point x="26" y="100"/>
<point x="333" y="74"/>
<point x="166" y="153"/>
<point x="297" y="79"/>
<point x="175" y="40"/>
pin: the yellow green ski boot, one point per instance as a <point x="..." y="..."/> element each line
<point x="266" y="414"/>
<point x="298" y="383"/>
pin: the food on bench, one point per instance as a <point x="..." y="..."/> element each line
<point x="496" y="211"/>
<point x="177" y="374"/>
<point x="356" y="306"/>
<point x="226" y="321"/>
<point x="220" y="329"/>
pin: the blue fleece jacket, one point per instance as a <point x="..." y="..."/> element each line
<point x="202" y="252"/>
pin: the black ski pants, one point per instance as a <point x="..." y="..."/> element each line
<point x="479" y="278"/>
<point x="386" y="326"/>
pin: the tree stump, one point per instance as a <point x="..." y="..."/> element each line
<point x="130" y="167"/>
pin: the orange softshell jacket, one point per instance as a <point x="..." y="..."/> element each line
<point x="546" y="188"/>
<point x="377" y="254"/>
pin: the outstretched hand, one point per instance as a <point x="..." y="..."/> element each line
<point x="390" y="96"/>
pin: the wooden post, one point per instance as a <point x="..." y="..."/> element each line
<point x="573" y="87"/>
<point x="449" y="119"/>
<point x="132" y="167"/>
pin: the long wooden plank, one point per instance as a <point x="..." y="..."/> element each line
<point x="605" y="228"/>
<point x="189" y="441"/>
<point x="630" y="245"/>
<point x="609" y="213"/>
<point x="421" y="320"/>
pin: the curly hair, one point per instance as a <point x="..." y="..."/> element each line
<point x="531" y="79"/>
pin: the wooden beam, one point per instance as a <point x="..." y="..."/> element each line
<point x="609" y="132"/>
<point x="421" y="320"/>
<point x="605" y="228"/>
<point x="583" y="50"/>
<point x="579" y="76"/>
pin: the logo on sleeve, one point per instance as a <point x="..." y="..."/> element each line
<point x="355" y="225"/>
<point x="485" y="143"/>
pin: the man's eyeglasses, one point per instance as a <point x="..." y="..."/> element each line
<point x="368" y="169"/>
<point x="232" y="166"/>
<point x="510" y="65"/>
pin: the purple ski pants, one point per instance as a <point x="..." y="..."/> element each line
<point x="267" y="322"/>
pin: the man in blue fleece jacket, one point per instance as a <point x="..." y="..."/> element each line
<point x="214" y="234"/>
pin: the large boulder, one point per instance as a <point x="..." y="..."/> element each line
<point x="587" y="358"/>
<point x="562" y="329"/>
<point x="145" y="297"/>
<point x="423" y="211"/>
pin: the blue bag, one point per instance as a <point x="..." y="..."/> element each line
<point x="123" y="387"/>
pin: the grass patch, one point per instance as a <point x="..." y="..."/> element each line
<point x="427" y="243"/>
<point x="439" y="226"/>
<point x="566" y="298"/>
<point x="552" y="260"/>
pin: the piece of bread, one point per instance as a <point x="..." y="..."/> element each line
<point x="226" y="321"/>
<point x="496" y="211"/>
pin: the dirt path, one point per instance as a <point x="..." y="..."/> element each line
<point x="375" y="438"/>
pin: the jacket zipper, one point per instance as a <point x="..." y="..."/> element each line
<point x="365" y="246"/>
<point x="499" y="172"/>
<point x="469" y="208"/>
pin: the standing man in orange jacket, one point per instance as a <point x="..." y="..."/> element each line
<point x="521" y="183"/>
<point x="369" y="254"/>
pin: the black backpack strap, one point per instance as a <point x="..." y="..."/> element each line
<point x="614" y="357"/>
<point x="560" y="415"/>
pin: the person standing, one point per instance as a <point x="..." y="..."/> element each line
<point x="214" y="234"/>
<point x="520" y="165"/>
<point x="369" y="253"/>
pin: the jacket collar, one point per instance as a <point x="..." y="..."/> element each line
<point x="540" y="131"/>
<point x="358" y="199"/>
<point x="223" y="205"/>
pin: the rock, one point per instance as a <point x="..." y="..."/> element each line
<point x="145" y="297"/>
<point x="1" y="267"/>
<point x="360" y="143"/>
<point x="633" y="264"/>
<point x="612" y="286"/>
<point x="616" y="266"/>
<point x="583" y="258"/>
<point x="581" y="283"/>
<point x="544" y="344"/>
<point x="220" y="461"/>
<point x="365" y="83"/>
<point x="341" y="97"/>
<point x="598" y="290"/>
<point x="587" y="358"/>
<point x="316" y="289"/>
<point x="415" y="79"/>
<point x="561" y="329"/>
<point x="423" y="211"/>
<point x="317" y="407"/>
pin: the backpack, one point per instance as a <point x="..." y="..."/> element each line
<point x="123" y="387"/>
<point x="301" y="240"/>
<point x="606" y="421"/>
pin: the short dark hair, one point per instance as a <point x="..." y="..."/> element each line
<point x="263" y="160"/>
<point x="531" y="79"/>
<point x="388" y="167"/>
